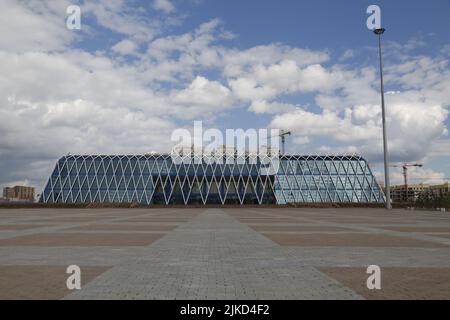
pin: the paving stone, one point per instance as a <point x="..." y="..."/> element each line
<point x="397" y="282"/>
<point x="200" y="253"/>
<point x="200" y="259"/>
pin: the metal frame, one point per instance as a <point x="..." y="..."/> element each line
<point x="150" y="179"/>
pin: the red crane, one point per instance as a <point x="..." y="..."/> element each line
<point x="405" y="174"/>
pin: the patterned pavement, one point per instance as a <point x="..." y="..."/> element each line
<point x="224" y="253"/>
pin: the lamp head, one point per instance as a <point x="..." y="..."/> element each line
<point x="379" y="31"/>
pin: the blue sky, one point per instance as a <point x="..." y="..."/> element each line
<point x="137" y="70"/>
<point x="336" y="25"/>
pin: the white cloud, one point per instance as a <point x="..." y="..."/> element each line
<point x="415" y="176"/>
<point x="54" y="103"/>
<point x="334" y="88"/>
<point x="179" y="55"/>
<point x="240" y="62"/>
<point x="287" y="77"/>
<point x="347" y="55"/>
<point x="202" y="97"/>
<point x="362" y="125"/>
<point x="440" y="147"/>
<point x="418" y="73"/>
<point x="34" y="25"/>
<point x="163" y="5"/>
<point x="446" y="50"/>
<point x="175" y="58"/>
<point x="262" y="106"/>
<point x="248" y="89"/>
<point x="326" y="124"/>
<point x="125" y="47"/>
<point x="121" y="17"/>
<point x="45" y="78"/>
<point x="349" y="112"/>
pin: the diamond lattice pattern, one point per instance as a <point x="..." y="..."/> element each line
<point x="156" y="179"/>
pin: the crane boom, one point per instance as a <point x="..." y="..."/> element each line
<point x="283" y="135"/>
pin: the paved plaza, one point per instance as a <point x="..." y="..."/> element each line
<point x="224" y="253"/>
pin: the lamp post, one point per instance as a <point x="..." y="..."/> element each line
<point x="379" y="33"/>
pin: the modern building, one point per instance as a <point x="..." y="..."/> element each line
<point x="157" y="179"/>
<point x="18" y="193"/>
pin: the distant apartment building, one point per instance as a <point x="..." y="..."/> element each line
<point x="440" y="190"/>
<point x="18" y="193"/>
<point x="401" y="194"/>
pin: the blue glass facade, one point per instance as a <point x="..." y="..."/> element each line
<point x="156" y="179"/>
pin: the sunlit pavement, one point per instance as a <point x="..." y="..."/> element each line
<point x="224" y="253"/>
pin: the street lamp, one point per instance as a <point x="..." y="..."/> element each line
<point x="379" y="32"/>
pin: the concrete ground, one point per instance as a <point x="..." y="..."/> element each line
<point x="224" y="253"/>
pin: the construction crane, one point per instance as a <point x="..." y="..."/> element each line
<point x="405" y="166"/>
<point x="283" y="135"/>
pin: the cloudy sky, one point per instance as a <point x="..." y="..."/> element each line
<point x="137" y="70"/>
